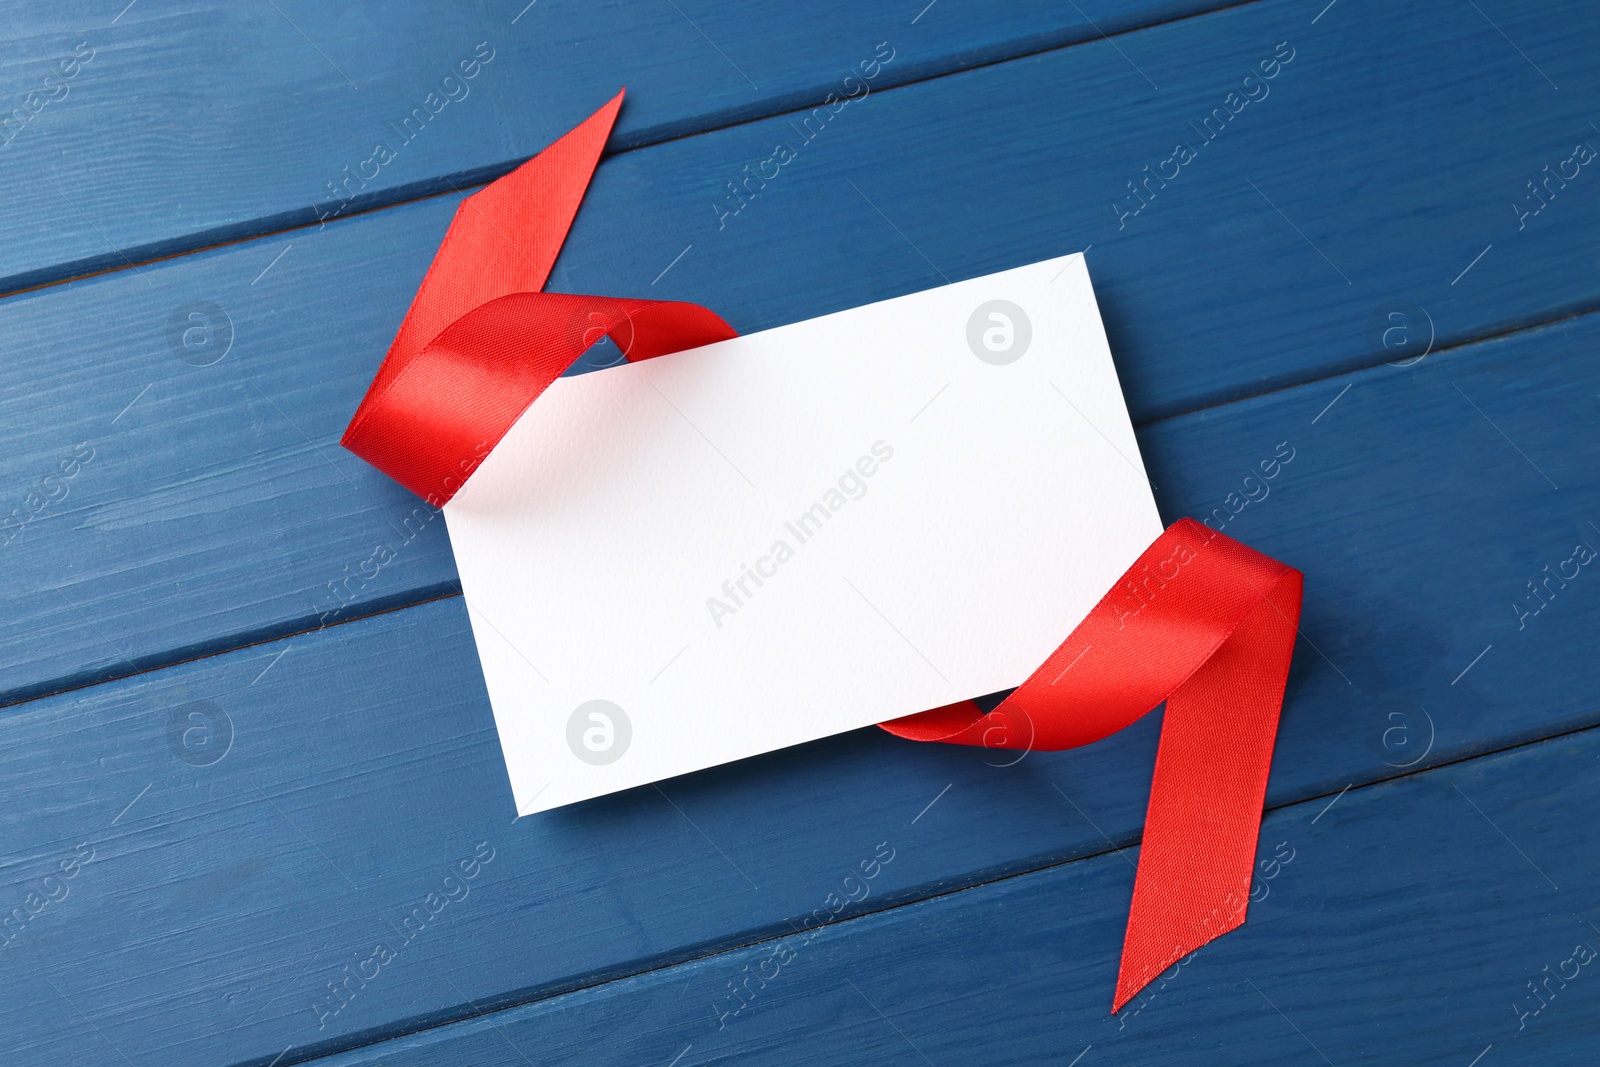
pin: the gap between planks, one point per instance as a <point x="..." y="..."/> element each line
<point x="888" y="907"/>
<point x="225" y="645"/>
<point x="430" y="188"/>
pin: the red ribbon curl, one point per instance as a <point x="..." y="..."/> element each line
<point x="1200" y="621"/>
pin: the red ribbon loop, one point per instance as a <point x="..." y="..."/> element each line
<point x="429" y="421"/>
<point x="1208" y="625"/>
<point x="1199" y="621"/>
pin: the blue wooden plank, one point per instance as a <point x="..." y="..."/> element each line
<point x="218" y="509"/>
<point x="154" y="130"/>
<point x="229" y="887"/>
<point x="1441" y="919"/>
<point x="363" y="763"/>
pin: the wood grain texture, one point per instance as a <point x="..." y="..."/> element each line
<point x="219" y="508"/>
<point x="163" y="129"/>
<point x="363" y="761"/>
<point x="1404" y="927"/>
<point x="245" y="826"/>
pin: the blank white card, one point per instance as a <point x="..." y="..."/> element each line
<point x="721" y="552"/>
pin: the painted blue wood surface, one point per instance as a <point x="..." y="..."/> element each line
<point x="366" y="751"/>
<point x="168" y="550"/>
<point x="163" y="129"/>
<point x="360" y="768"/>
<point x="1404" y="928"/>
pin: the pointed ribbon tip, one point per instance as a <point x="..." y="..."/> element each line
<point x="1207" y="625"/>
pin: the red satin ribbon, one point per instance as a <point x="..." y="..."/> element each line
<point x="1200" y="621"/>
<point x="1208" y="625"/>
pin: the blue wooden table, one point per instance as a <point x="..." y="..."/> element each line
<point x="256" y="811"/>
